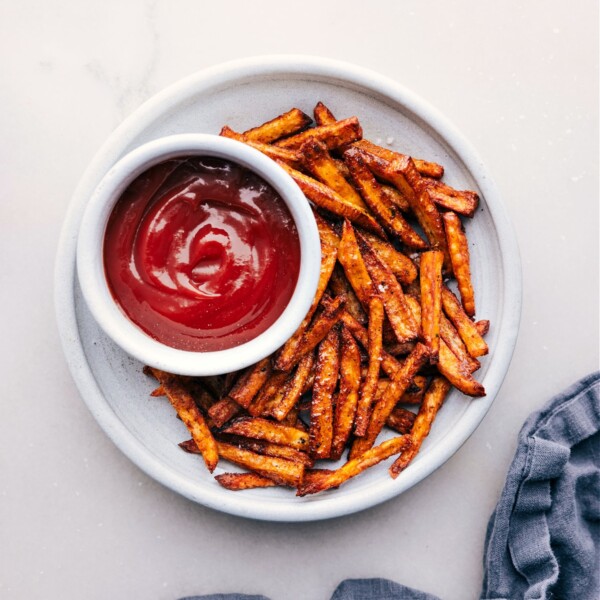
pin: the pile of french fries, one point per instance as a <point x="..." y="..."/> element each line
<point x="384" y="333"/>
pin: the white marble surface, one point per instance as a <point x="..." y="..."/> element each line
<point x="77" y="519"/>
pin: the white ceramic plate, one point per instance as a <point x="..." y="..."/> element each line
<point x="243" y="94"/>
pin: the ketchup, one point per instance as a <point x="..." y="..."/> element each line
<point x="201" y="254"/>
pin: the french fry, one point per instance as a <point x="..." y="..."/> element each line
<point x="414" y="394"/>
<point x="350" y="258"/>
<point x="270" y="392"/>
<point x="317" y="161"/>
<point x="185" y="406"/>
<point x="400" y="265"/>
<point x="340" y="285"/>
<point x="463" y="202"/>
<point x="387" y="213"/>
<point x="270" y="431"/>
<point x="321" y="410"/>
<point x="288" y="156"/>
<point x="332" y="135"/>
<point x="267" y="448"/>
<point x="401" y="420"/>
<point x="482" y="327"/>
<point x="398" y="313"/>
<point x="431" y="300"/>
<point x="280" y="470"/>
<point x="393" y="392"/>
<point x="223" y="410"/>
<point x="467" y="330"/>
<point x="369" y="386"/>
<point x="243" y="481"/>
<point x="450" y="336"/>
<point x="355" y="466"/>
<point x="459" y="256"/>
<point x="395" y="197"/>
<point x="327" y="235"/>
<point x="326" y="198"/>
<point x="322" y="114"/>
<point x="284" y="125"/>
<point x="347" y="397"/>
<point x="249" y="384"/>
<point x="294" y="388"/>
<point x="434" y="397"/>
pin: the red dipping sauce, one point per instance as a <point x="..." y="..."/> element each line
<point x="201" y="253"/>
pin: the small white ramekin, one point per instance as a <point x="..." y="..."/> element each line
<point x="110" y="317"/>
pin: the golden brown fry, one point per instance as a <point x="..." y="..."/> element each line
<point x="284" y="125"/>
<point x="467" y="330"/>
<point x="355" y="466"/>
<point x="400" y="265"/>
<point x="399" y="315"/>
<point x="280" y="470"/>
<point x="340" y="285"/>
<point x="270" y="431"/>
<point x="319" y="328"/>
<point x="332" y="135"/>
<point x="416" y="391"/>
<point x="436" y="393"/>
<point x="393" y="392"/>
<point x="291" y="157"/>
<point x="243" y="481"/>
<point x="431" y="300"/>
<point x="458" y="373"/>
<point x="369" y="386"/>
<point x="323" y="116"/>
<point x="270" y="392"/>
<point x="395" y="197"/>
<point x="183" y="402"/>
<point x="424" y="167"/>
<point x="317" y="160"/>
<point x="223" y="410"/>
<point x="483" y="327"/>
<point x="459" y="256"/>
<point x="326" y="198"/>
<point x="388" y="213"/>
<point x="449" y="334"/>
<point x="321" y="410"/>
<point x="249" y="384"/>
<point x="347" y="398"/>
<point x="401" y="420"/>
<point x="463" y="202"/>
<point x="350" y="258"/>
<point x="294" y="388"/>
<point x="268" y="449"/>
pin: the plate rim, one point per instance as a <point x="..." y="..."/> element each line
<point x="65" y="273"/>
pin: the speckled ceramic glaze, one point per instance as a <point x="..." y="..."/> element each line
<point x="243" y="94"/>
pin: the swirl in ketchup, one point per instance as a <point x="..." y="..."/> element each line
<point x="201" y="253"/>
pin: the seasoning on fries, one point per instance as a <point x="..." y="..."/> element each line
<point x="385" y="339"/>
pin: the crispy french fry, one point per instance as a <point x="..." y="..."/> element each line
<point x="347" y="398"/>
<point x="434" y="397"/>
<point x="159" y="391"/>
<point x="321" y="410"/>
<point x="294" y="388"/>
<point x="467" y="330"/>
<point x="317" y="160"/>
<point x="280" y="470"/>
<point x="340" y="285"/>
<point x="414" y="394"/>
<point x="323" y="116"/>
<point x="223" y="410"/>
<point x="355" y="466"/>
<point x="249" y="384"/>
<point x="350" y="258"/>
<point x="268" y="448"/>
<point x="284" y="125"/>
<point x="395" y="197"/>
<point x="270" y="392"/>
<point x="270" y="431"/>
<point x="287" y="155"/>
<point x="431" y="300"/>
<point x="332" y="135"/>
<point x="183" y="402"/>
<point x="369" y="386"/>
<point x="449" y="334"/>
<point x="483" y="327"/>
<point x="398" y="313"/>
<point x="393" y="392"/>
<point x="459" y="256"/>
<point x="463" y="202"/>
<point x="326" y="198"/>
<point x="243" y="481"/>
<point x="400" y="265"/>
<point x="424" y="167"/>
<point x="457" y="373"/>
<point x="401" y="420"/>
<point x="388" y="213"/>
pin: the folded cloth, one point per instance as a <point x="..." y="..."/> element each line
<point x="543" y="539"/>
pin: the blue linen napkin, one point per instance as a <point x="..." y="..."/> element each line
<point x="543" y="539"/>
